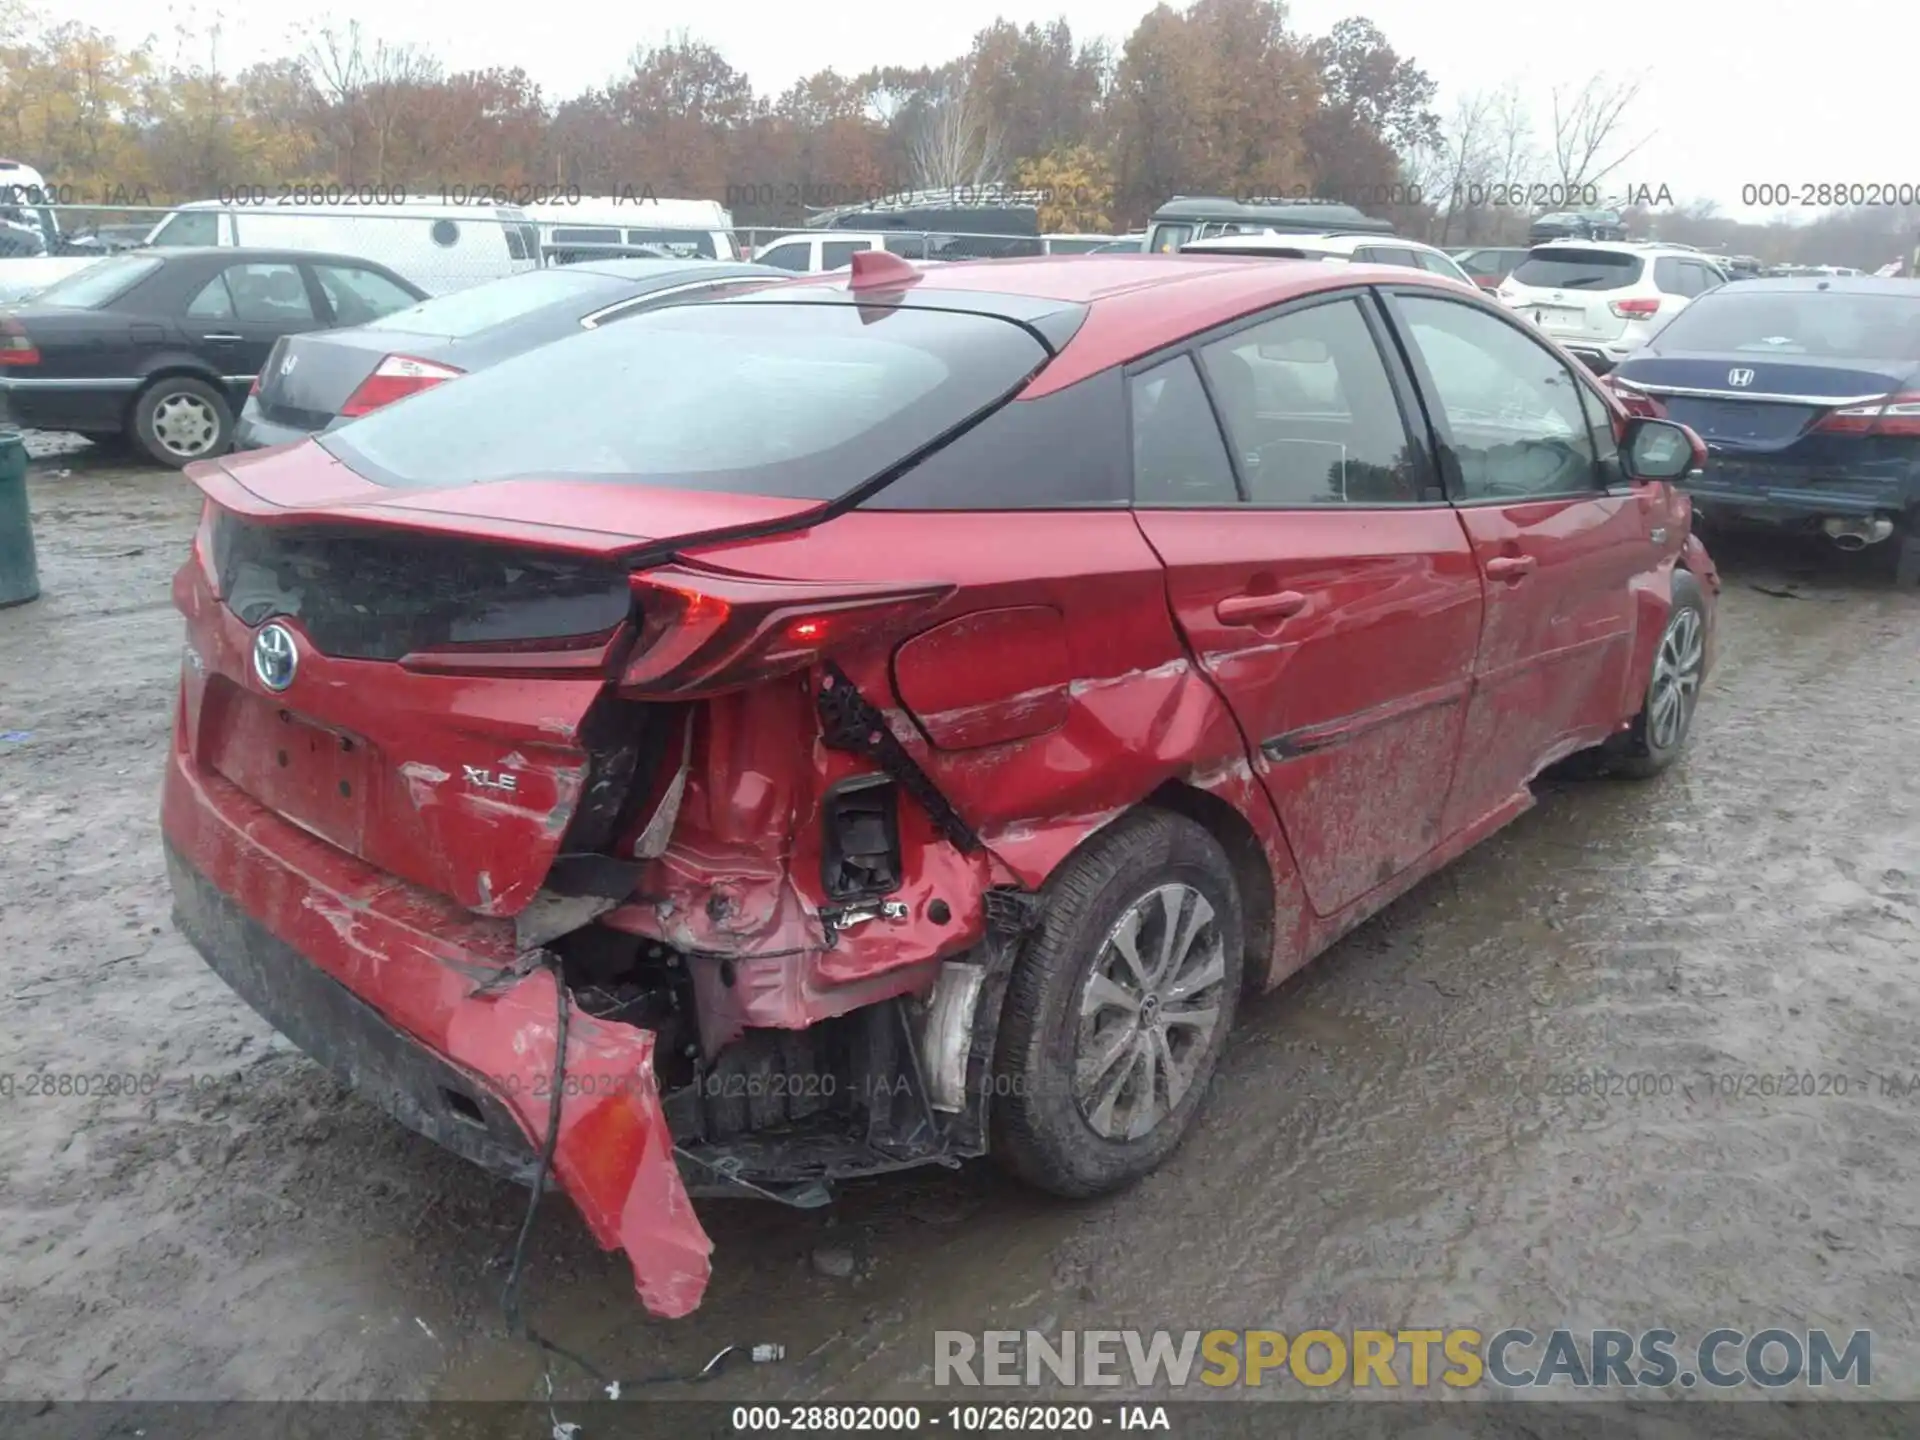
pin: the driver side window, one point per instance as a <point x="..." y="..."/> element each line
<point x="1513" y="412"/>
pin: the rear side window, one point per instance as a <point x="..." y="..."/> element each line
<point x="1670" y="278"/>
<point x="804" y="401"/>
<point x="1389" y="255"/>
<point x="213" y="302"/>
<point x="189" y="227"/>
<point x="269" y="294"/>
<point x="481" y="307"/>
<point x="584" y="235"/>
<point x="101" y="283"/>
<point x="1575" y="269"/>
<point x="835" y="253"/>
<point x="1179" y="456"/>
<point x="1067" y="449"/>
<point x="791" y="256"/>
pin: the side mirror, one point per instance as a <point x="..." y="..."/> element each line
<point x="1661" y="450"/>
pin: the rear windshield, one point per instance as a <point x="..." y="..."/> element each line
<point x="801" y="401"/>
<point x="101" y="283"/>
<point x="481" y="307"/>
<point x="1816" y="323"/>
<point x="1566" y="269"/>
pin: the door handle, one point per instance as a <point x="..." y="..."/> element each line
<point x="1252" y="609"/>
<point x="1509" y="567"/>
<point x="220" y="337"/>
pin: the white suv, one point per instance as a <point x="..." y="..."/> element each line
<point x="1335" y="248"/>
<point x="1604" y="299"/>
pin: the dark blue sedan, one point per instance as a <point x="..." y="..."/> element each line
<point x="1807" y="392"/>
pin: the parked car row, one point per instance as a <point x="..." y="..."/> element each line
<point x="959" y="683"/>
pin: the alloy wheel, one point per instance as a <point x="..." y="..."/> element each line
<point x="1677" y="670"/>
<point x="185" y="425"/>
<point x="1148" y="1011"/>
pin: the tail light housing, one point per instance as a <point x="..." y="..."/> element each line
<point x="1635" y="309"/>
<point x="704" y="632"/>
<point x="1637" y="402"/>
<point x="396" y="377"/>
<point x="16" y="346"/>
<point x="1898" y="415"/>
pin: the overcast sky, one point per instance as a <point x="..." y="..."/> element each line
<point x="1732" y="95"/>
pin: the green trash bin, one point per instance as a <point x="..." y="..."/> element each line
<point x="19" y="570"/>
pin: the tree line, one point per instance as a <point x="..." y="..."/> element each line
<point x="1218" y="97"/>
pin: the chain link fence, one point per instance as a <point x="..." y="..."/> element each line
<point x="442" y="248"/>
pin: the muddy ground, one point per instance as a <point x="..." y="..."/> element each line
<point x="1384" y="1147"/>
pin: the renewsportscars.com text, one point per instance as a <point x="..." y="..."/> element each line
<point x="1458" y="1358"/>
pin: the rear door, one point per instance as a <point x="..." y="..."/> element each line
<point x="235" y="318"/>
<point x="1527" y="449"/>
<point x="1320" y="579"/>
<point x="356" y="295"/>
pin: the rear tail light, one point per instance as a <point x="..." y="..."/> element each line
<point x="1636" y="402"/>
<point x="1634" y="309"/>
<point x="16" y="346"/>
<point x="397" y="377"/>
<point x="704" y="633"/>
<point x="1897" y="415"/>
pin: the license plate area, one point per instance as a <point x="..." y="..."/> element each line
<point x="310" y="774"/>
<point x="1559" y="317"/>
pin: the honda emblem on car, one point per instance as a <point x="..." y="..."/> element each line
<point x="286" y="365"/>
<point x="1739" y="378"/>
<point x="274" y="658"/>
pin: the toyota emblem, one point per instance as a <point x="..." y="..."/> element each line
<point x="274" y="658"/>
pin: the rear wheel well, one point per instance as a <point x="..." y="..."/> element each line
<point x="170" y="372"/>
<point x="1251" y="871"/>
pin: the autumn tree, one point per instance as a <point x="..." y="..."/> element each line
<point x="1215" y="99"/>
<point x="1077" y="184"/>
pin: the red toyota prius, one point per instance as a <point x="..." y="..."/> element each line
<point x="890" y="718"/>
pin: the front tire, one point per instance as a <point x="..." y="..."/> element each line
<point x="1660" y="731"/>
<point x="1118" y="1008"/>
<point x="177" y="420"/>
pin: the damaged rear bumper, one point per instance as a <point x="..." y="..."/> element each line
<point x="377" y="980"/>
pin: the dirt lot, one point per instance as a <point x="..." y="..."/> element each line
<point x="1386" y="1145"/>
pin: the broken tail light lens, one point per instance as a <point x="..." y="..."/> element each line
<point x="396" y="377"/>
<point x="702" y="633"/>
<point x="1897" y="415"/>
<point x="16" y="346"/>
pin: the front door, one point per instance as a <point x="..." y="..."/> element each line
<point x="1320" y="578"/>
<point x="1529" y="457"/>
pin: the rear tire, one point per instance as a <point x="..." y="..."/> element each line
<point x="1660" y="731"/>
<point x="178" y="419"/>
<point x="1102" y="1063"/>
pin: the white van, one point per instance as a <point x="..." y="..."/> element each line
<point x="440" y="248"/>
<point x="684" y="229"/>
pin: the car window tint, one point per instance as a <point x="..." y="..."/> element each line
<point x="269" y="294"/>
<point x="1068" y="448"/>
<point x="1436" y="264"/>
<point x="1179" y="457"/>
<point x="1513" y="412"/>
<point x="214" y="302"/>
<point x="1311" y="412"/>
<point x="835" y="253"/>
<point x="1668" y="276"/>
<point x="359" y="296"/>
<point x="1388" y="255"/>
<point x="791" y="256"/>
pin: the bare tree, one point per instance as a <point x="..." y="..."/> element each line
<point x="1461" y="165"/>
<point x="370" y="87"/>
<point x="1587" y="143"/>
<point x="957" y="143"/>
